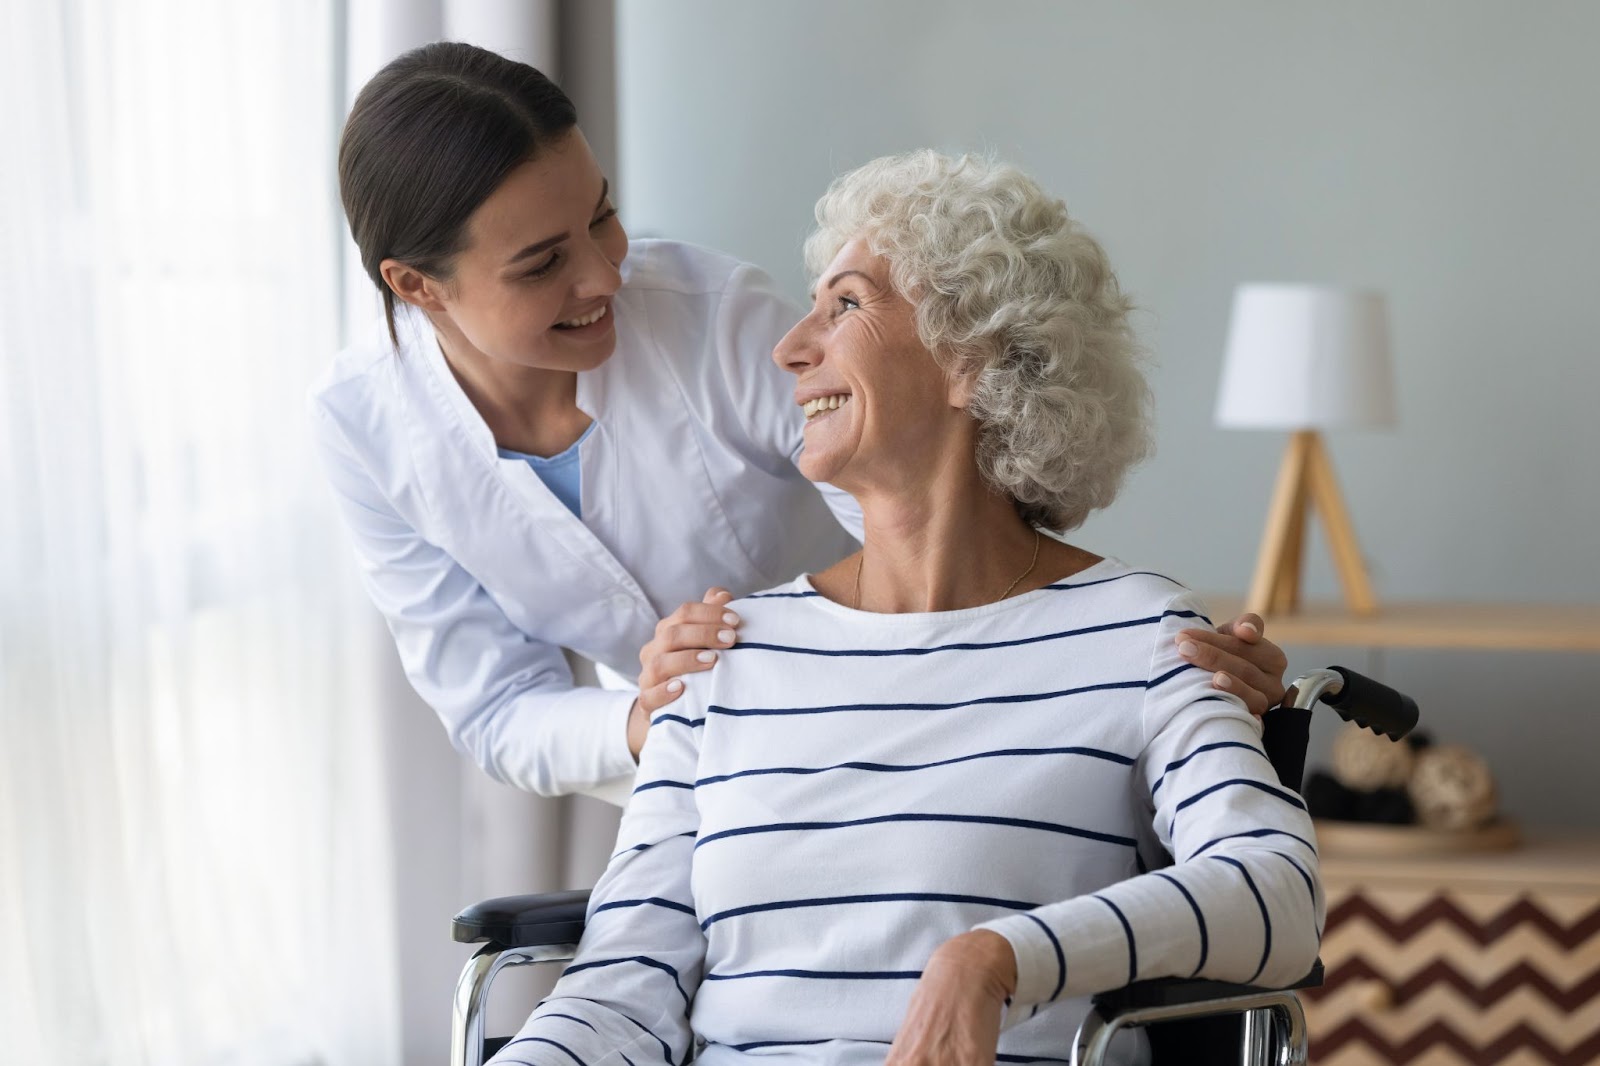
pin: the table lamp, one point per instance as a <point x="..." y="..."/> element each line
<point x="1306" y="358"/>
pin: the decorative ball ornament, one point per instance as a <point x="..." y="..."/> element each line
<point x="1366" y="761"/>
<point x="1452" y="788"/>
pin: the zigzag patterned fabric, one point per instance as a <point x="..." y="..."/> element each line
<point x="1462" y="977"/>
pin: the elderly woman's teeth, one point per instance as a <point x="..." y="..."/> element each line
<point x="813" y="408"/>
<point x="585" y="320"/>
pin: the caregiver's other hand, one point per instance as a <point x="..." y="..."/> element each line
<point x="686" y="641"/>
<point x="954" y="1015"/>
<point x="1242" y="661"/>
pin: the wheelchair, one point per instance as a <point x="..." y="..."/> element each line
<point x="1193" y="1022"/>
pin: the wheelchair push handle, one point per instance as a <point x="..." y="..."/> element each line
<point x="1359" y="699"/>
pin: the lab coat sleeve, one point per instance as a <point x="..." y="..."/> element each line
<point x="507" y="700"/>
<point x="753" y="317"/>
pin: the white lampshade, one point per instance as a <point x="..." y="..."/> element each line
<point x="1306" y="357"/>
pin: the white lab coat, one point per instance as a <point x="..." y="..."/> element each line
<point x="688" y="481"/>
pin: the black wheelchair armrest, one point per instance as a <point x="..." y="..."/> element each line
<point x="1180" y="992"/>
<point x="538" y="920"/>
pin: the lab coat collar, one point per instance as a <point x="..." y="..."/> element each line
<point x="534" y="494"/>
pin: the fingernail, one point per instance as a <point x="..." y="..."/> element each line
<point x="1247" y="626"/>
<point x="1188" y="648"/>
<point x="707" y="656"/>
<point x="674" y="685"/>
<point x="1221" y="680"/>
<point x="730" y="619"/>
<point x="726" y="636"/>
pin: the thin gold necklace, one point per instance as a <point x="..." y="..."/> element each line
<point x="855" y="604"/>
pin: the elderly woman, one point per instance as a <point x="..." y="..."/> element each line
<point x="914" y="805"/>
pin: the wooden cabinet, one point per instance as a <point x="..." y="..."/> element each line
<point x="1490" y="958"/>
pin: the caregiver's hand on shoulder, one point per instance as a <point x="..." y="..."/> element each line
<point x="954" y="1015"/>
<point x="1242" y="661"/>
<point x="686" y="641"/>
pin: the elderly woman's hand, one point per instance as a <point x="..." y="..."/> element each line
<point x="685" y="643"/>
<point x="1243" y="661"/>
<point x="954" y="1015"/>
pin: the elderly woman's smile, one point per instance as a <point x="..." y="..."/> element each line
<point x="823" y="405"/>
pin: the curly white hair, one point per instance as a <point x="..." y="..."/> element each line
<point x="1007" y="287"/>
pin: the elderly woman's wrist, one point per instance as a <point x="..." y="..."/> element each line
<point x="981" y="955"/>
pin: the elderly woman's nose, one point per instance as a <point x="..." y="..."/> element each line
<point x="797" y="352"/>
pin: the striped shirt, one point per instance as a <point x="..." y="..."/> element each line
<point x="848" y="790"/>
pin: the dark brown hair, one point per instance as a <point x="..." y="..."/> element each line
<point x="430" y="137"/>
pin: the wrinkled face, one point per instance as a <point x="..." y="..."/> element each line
<point x="534" y="285"/>
<point x="878" y="408"/>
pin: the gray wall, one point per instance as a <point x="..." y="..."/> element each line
<point x="1445" y="152"/>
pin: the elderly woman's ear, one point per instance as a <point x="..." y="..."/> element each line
<point x="961" y="389"/>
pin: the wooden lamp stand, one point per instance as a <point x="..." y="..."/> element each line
<point x="1305" y="481"/>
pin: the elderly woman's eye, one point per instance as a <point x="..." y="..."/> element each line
<point x="846" y="303"/>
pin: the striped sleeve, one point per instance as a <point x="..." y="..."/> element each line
<point x="626" y="996"/>
<point x="1242" y="902"/>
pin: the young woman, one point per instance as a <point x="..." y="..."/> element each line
<point x="557" y="437"/>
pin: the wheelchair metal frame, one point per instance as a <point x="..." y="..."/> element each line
<point x="1274" y="1025"/>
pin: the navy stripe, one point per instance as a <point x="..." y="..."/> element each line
<point x="781" y="595"/>
<point x="1287" y="797"/>
<point x="1027" y="697"/>
<point x="1310" y="888"/>
<point x="1200" y="919"/>
<point x="877" y="897"/>
<point x="1061" y="957"/>
<point x="625" y="1059"/>
<point x="892" y="768"/>
<point x="546" y="1040"/>
<point x="680" y="719"/>
<point x="759" y="1044"/>
<point x="1266" y="922"/>
<point x="1170" y="674"/>
<point x="1178" y="764"/>
<point x="1133" y="952"/>
<point x="1131" y="623"/>
<point x="653" y="901"/>
<point x="572" y="1018"/>
<point x="648" y="785"/>
<point x="647" y="847"/>
<point x="823" y="975"/>
<point x="1019" y="823"/>
<point x="1063" y="585"/>
<point x="642" y="960"/>
<point x="1202" y="849"/>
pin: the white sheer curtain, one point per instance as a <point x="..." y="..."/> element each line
<point x="194" y="852"/>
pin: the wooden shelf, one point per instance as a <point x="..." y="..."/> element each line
<point x="1485" y="626"/>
